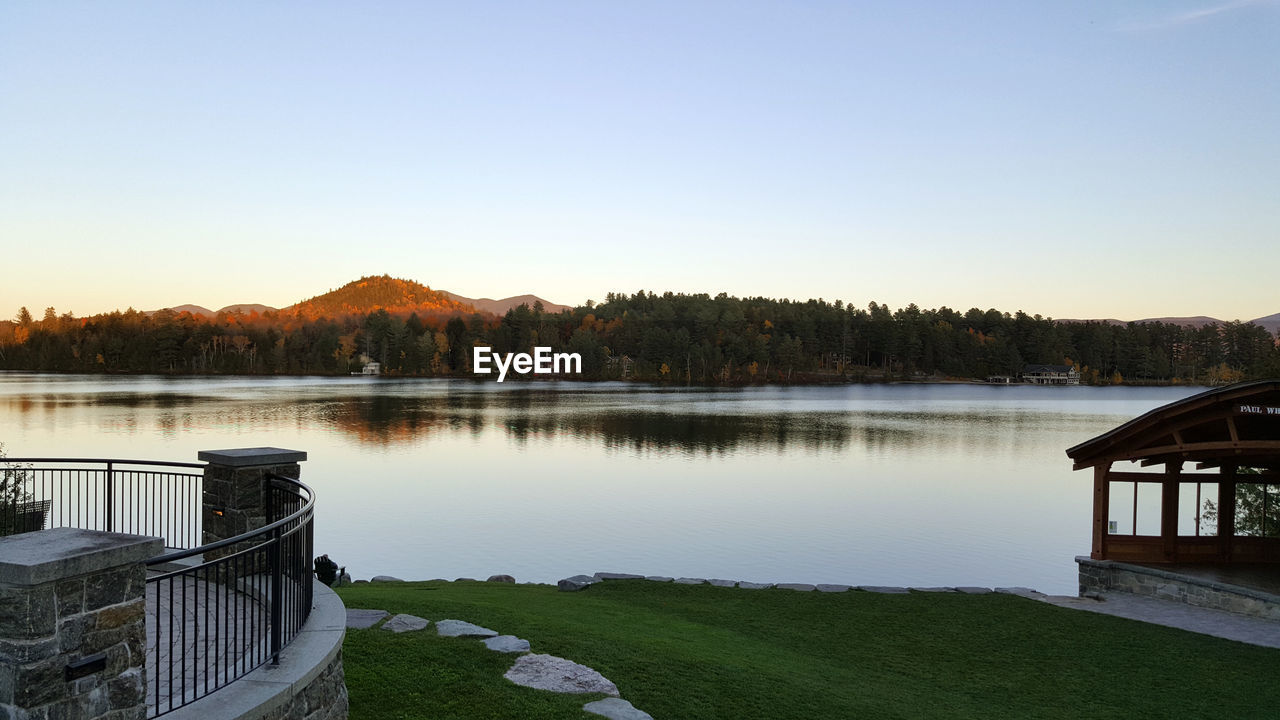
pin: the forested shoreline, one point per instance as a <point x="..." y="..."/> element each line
<point x="644" y="336"/>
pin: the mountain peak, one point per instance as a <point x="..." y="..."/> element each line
<point x="375" y="292"/>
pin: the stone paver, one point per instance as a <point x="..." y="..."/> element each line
<point x="360" y="618"/>
<point x="884" y="589"/>
<point x="971" y="590"/>
<point x="659" y="578"/>
<point x="196" y="632"/>
<point x="507" y="644"/>
<point x="576" y="583"/>
<point x="1170" y="613"/>
<point x="1025" y="592"/>
<point x="547" y="672"/>
<point x="616" y="709"/>
<point x="690" y="581"/>
<point x="754" y="586"/>
<point x="405" y="623"/>
<point x="617" y="576"/>
<point x="458" y="628"/>
<point x="801" y="587"/>
<point x="825" y="587"/>
<point x="717" y="582"/>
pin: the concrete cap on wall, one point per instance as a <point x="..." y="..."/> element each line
<point x="38" y="557"/>
<point x="251" y="457"/>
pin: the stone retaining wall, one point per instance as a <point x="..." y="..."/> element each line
<point x="73" y="625"/>
<point x="1098" y="576"/>
<point x="324" y="698"/>
<point x="308" y="684"/>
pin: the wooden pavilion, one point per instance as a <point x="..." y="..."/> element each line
<point x="1223" y="439"/>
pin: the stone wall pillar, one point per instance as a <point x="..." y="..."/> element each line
<point x="73" y="625"/>
<point x="235" y="500"/>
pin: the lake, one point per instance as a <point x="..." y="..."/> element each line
<point x="947" y="484"/>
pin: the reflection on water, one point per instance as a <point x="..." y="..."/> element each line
<point x="911" y="484"/>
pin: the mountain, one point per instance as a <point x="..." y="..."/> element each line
<point x="1186" y="322"/>
<point x="193" y="309"/>
<point x="244" y="308"/>
<point x="1270" y="323"/>
<point x="500" y="307"/>
<point x="247" y="308"/>
<point x="382" y="291"/>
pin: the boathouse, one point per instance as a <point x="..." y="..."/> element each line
<point x="1051" y="375"/>
<point x="1188" y="490"/>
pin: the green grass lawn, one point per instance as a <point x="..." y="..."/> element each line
<point x="678" y="651"/>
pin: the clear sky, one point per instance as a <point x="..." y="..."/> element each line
<point x="1082" y="159"/>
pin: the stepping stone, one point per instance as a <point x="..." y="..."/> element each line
<point x="501" y="579"/>
<point x="547" y="672"/>
<point x="618" y="576"/>
<point x="576" y="583"/>
<point x="723" y="583"/>
<point x="616" y="709"/>
<point x="834" y="588"/>
<point x="802" y="587"/>
<point x="360" y="619"/>
<point x="970" y="590"/>
<point x="690" y="581"/>
<point x="507" y="644"/>
<point x="754" y="586"/>
<point x="385" y="578"/>
<point x="405" y="623"/>
<point x="933" y="589"/>
<point x="659" y="578"/>
<point x="458" y="628"/>
<point x="884" y="589"/>
<point x="1025" y="592"/>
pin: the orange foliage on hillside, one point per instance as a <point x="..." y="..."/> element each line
<point x="368" y="294"/>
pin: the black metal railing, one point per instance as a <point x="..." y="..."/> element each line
<point x="140" y="497"/>
<point x="215" y="612"/>
<point x="241" y="601"/>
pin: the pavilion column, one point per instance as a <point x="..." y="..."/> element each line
<point x="1226" y="511"/>
<point x="1169" y="509"/>
<point x="1101" y="508"/>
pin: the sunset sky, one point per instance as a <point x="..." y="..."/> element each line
<point x="1085" y="159"/>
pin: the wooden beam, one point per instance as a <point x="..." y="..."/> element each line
<point x="1226" y="511"/>
<point x="1184" y="450"/>
<point x="1101" y="508"/>
<point x="1169" y="510"/>
<point x="1141" y="477"/>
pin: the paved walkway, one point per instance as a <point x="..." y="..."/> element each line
<point x="200" y="636"/>
<point x="1219" y="623"/>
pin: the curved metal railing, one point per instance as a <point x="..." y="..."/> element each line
<point x="139" y="497"/>
<point x="215" y="612"/>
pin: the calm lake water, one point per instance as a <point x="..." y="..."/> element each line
<point x="874" y="485"/>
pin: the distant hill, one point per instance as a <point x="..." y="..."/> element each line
<point x="500" y="307"/>
<point x="381" y="291"/>
<point x="244" y="308"/>
<point x="193" y="309"/>
<point x="247" y="308"/>
<point x="1271" y="322"/>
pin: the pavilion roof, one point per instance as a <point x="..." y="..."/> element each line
<point x="1238" y="424"/>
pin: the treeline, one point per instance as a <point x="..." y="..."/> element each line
<point x="669" y="337"/>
